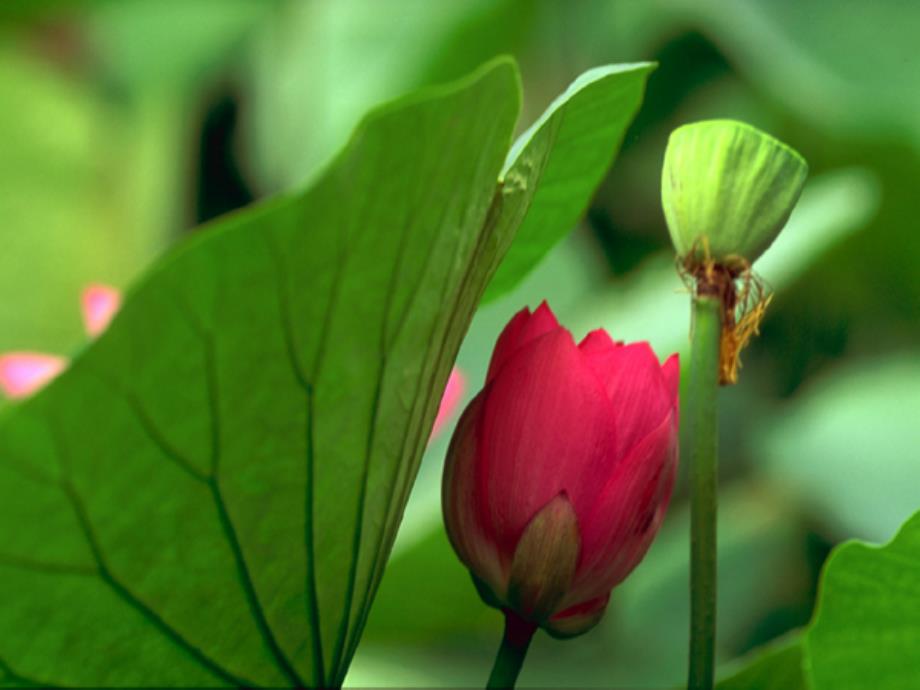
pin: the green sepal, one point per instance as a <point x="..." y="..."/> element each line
<point x="485" y="592"/>
<point x="544" y="561"/>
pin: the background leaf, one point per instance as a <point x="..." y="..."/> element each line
<point x="777" y="667"/>
<point x="58" y="136"/>
<point x="326" y="63"/>
<point x="790" y="47"/>
<point x="827" y="448"/>
<point x="866" y="628"/>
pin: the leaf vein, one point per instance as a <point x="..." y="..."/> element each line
<point x="20" y="679"/>
<point x="405" y="482"/>
<point x="9" y="561"/>
<point x="105" y="574"/>
<point x="313" y="613"/>
<point x="151" y="430"/>
<point x="229" y="529"/>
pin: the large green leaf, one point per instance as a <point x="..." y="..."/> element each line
<point x="866" y="629"/>
<point x="561" y="160"/>
<point x="209" y="494"/>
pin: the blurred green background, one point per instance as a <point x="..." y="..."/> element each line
<point x="125" y="124"/>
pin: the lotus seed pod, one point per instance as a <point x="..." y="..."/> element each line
<point x="728" y="189"/>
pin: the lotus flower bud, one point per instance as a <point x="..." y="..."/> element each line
<point x="560" y="470"/>
<point x="728" y="188"/>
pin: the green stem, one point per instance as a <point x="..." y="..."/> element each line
<point x="701" y="420"/>
<point x="511" y="653"/>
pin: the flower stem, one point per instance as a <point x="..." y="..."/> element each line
<point x="701" y="419"/>
<point x="511" y="653"/>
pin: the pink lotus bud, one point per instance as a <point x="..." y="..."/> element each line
<point x="23" y="373"/>
<point x="560" y="470"/>
<point x="453" y="393"/>
<point x="99" y="304"/>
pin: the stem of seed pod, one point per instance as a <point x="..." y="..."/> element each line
<point x="701" y="430"/>
<point x="511" y="653"/>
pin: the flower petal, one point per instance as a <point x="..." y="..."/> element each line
<point x="23" y="373"/>
<point x="670" y="371"/>
<point x="453" y="393"/>
<point x="617" y="533"/>
<point x="523" y="329"/>
<point x="598" y="342"/>
<point x="636" y="387"/>
<point x="577" y="619"/>
<point x="99" y="304"/>
<point x="547" y="427"/>
<point x="461" y="504"/>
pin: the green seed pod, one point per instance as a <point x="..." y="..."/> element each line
<point x="728" y="188"/>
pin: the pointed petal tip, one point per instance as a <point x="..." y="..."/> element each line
<point x="598" y="341"/>
<point x="523" y="328"/>
<point x="645" y="347"/>
<point x="544" y="312"/>
<point x="523" y="313"/>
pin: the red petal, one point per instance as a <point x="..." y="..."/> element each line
<point x="547" y="427"/>
<point x="634" y="382"/>
<point x="523" y="329"/>
<point x="670" y="371"/>
<point x="578" y="618"/>
<point x="461" y="504"/>
<point x="618" y="532"/>
<point x="23" y="373"/>
<point x="598" y="342"/>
